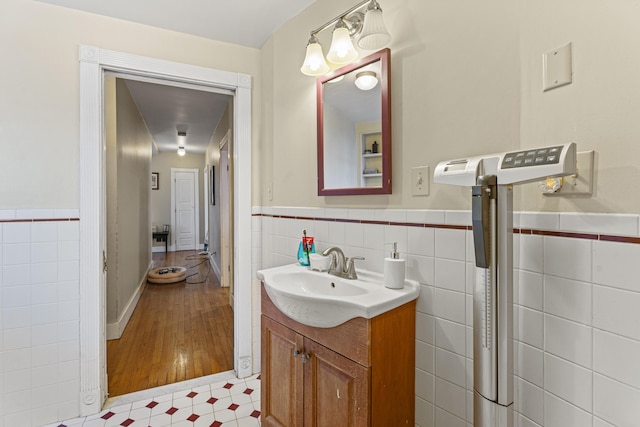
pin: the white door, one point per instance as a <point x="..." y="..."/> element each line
<point x="185" y="209"/>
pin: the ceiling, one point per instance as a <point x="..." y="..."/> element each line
<point x="168" y="109"/>
<point x="165" y="108"/>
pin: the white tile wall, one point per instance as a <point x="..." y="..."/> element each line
<point x="39" y="321"/>
<point x="576" y="317"/>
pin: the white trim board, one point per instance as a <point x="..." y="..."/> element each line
<point x="94" y="63"/>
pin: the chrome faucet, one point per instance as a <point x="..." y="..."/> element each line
<point x="341" y="266"/>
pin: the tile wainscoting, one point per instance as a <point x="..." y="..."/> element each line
<point x="577" y="334"/>
<point x="39" y="323"/>
<point x="576" y="299"/>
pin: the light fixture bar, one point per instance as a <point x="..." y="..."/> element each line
<point x="339" y="17"/>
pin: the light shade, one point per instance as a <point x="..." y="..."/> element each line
<point x="314" y="63"/>
<point x="342" y="50"/>
<point x="366" y="80"/>
<point x="181" y="151"/>
<point x="374" y="33"/>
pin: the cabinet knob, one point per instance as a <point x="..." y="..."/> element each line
<point x="296" y="352"/>
<point x="305" y="357"/>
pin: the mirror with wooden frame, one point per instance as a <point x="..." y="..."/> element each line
<point x="354" y="128"/>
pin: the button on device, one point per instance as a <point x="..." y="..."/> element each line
<point x="528" y="162"/>
<point x="552" y="159"/>
<point x="531" y="153"/>
<point x="539" y="160"/>
<point x="508" y="159"/>
<point x="520" y="154"/>
<point x="518" y="163"/>
<point x="542" y="151"/>
<point x="554" y="150"/>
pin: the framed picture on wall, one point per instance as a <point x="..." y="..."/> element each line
<point x="155" y="180"/>
<point x="213" y="185"/>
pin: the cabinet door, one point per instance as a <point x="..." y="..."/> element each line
<point x="282" y="398"/>
<point x="336" y="389"/>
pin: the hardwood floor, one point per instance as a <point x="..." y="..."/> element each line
<point x="177" y="332"/>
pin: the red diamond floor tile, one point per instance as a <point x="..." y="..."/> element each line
<point x="192" y="394"/>
<point x="228" y="385"/>
<point x="127" y="422"/>
<point x="152" y="404"/>
<point x="107" y="415"/>
<point x="216" y="424"/>
<point x="233" y="406"/>
<point x="212" y="400"/>
<point x="255" y="414"/>
<point x="171" y="411"/>
<point x="248" y="391"/>
<point x="193" y="418"/>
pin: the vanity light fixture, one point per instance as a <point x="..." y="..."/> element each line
<point x="366" y="80"/>
<point x="353" y="23"/>
<point x="182" y="138"/>
<point x="374" y="33"/>
<point x="314" y="63"/>
<point x="342" y="50"/>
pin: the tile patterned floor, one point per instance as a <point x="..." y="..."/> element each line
<point x="229" y="403"/>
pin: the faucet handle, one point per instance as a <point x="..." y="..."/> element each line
<point x="350" y="270"/>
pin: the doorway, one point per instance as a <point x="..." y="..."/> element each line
<point x="94" y="62"/>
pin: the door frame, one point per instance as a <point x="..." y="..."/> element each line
<point x="196" y="213"/>
<point x="94" y="63"/>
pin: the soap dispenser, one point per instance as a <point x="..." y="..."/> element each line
<point x="394" y="269"/>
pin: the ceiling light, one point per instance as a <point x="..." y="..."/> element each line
<point x="374" y="33"/>
<point x="314" y="63"/>
<point x="366" y="80"/>
<point x="347" y="26"/>
<point x="182" y="139"/>
<point x="342" y="50"/>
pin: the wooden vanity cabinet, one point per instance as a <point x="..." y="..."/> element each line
<point x="357" y="374"/>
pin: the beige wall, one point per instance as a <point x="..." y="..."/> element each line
<point x="599" y="110"/>
<point x="39" y="109"/>
<point x="466" y="80"/>
<point x="161" y="198"/>
<point x="455" y="91"/>
<point x="128" y="226"/>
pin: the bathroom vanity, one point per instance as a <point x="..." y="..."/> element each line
<point x="358" y="373"/>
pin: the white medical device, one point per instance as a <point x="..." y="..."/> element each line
<point x="491" y="178"/>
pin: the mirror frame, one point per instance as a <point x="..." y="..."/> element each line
<point x="384" y="56"/>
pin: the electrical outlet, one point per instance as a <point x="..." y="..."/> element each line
<point x="420" y="181"/>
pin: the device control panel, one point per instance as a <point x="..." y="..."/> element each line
<point x="534" y="157"/>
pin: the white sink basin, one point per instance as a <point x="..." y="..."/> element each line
<point x="323" y="300"/>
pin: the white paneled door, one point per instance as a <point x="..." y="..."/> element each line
<point x="185" y="206"/>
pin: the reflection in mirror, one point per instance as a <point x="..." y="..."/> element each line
<point x="354" y="128"/>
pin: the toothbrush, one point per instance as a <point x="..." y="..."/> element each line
<point x="304" y="244"/>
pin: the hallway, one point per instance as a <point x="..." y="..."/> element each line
<point x="177" y="332"/>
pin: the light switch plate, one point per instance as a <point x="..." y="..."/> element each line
<point x="420" y="181"/>
<point x="557" y="68"/>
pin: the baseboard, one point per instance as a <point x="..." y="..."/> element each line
<point x="115" y="330"/>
